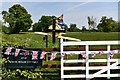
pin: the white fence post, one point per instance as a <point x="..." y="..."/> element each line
<point x="62" y="63"/>
<point x="108" y="61"/>
<point x="87" y="62"/>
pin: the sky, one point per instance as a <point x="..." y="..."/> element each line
<point x="73" y="12"/>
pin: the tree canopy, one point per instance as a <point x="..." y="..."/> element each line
<point x="1" y="25"/>
<point x="107" y="25"/>
<point x="43" y="23"/>
<point x="73" y="28"/>
<point x="18" y="19"/>
<point x="91" y="23"/>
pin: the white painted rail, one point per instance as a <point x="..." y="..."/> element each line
<point x="87" y="61"/>
<point x="91" y="43"/>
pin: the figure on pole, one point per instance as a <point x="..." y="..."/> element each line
<point x="57" y="22"/>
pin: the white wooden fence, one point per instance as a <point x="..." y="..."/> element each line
<point x="87" y="68"/>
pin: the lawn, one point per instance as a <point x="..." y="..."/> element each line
<point x="94" y="36"/>
<point x="27" y="39"/>
<point x="32" y="40"/>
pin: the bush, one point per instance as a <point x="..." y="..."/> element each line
<point x="20" y="74"/>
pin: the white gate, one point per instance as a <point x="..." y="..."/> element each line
<point x="87" y="68"/>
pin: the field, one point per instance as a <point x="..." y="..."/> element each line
<point x="32" y="40"/>
<point x="94" y="36"/>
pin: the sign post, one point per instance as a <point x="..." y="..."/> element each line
<point x="54" y="30"/>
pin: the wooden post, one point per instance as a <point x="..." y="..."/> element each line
<point x="59" y="42"/>
<point x="46" y="37"/>
<point x="46" y="56"/>
<point x="53" y="32"/>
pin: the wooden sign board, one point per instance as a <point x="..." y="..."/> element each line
<point x="22" y="61"/>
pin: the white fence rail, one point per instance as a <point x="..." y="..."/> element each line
<point x="87" y="68"/>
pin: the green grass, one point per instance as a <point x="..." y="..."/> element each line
<point x="94" y="36"/>
<point x="28" y="39"/>
<point x="32" y="40"/>
<point x="51" y="62"/>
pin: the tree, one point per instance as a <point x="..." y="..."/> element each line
<point x="18" y="19"/>
<point x="66" y="27"/>
<point x="118" y="29"/>
<point x="1" y="26"/>
<point x="91" y="23"/>
<point x="116" y="26"/>
<point x="83" y="28"/>
<point x="73" y="28"/>
<point x="37" y="27"/>
<point x="43" y="23"/>
<point x="107" y="25"/>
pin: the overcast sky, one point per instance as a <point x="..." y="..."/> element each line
<point x="73" y="12"/>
